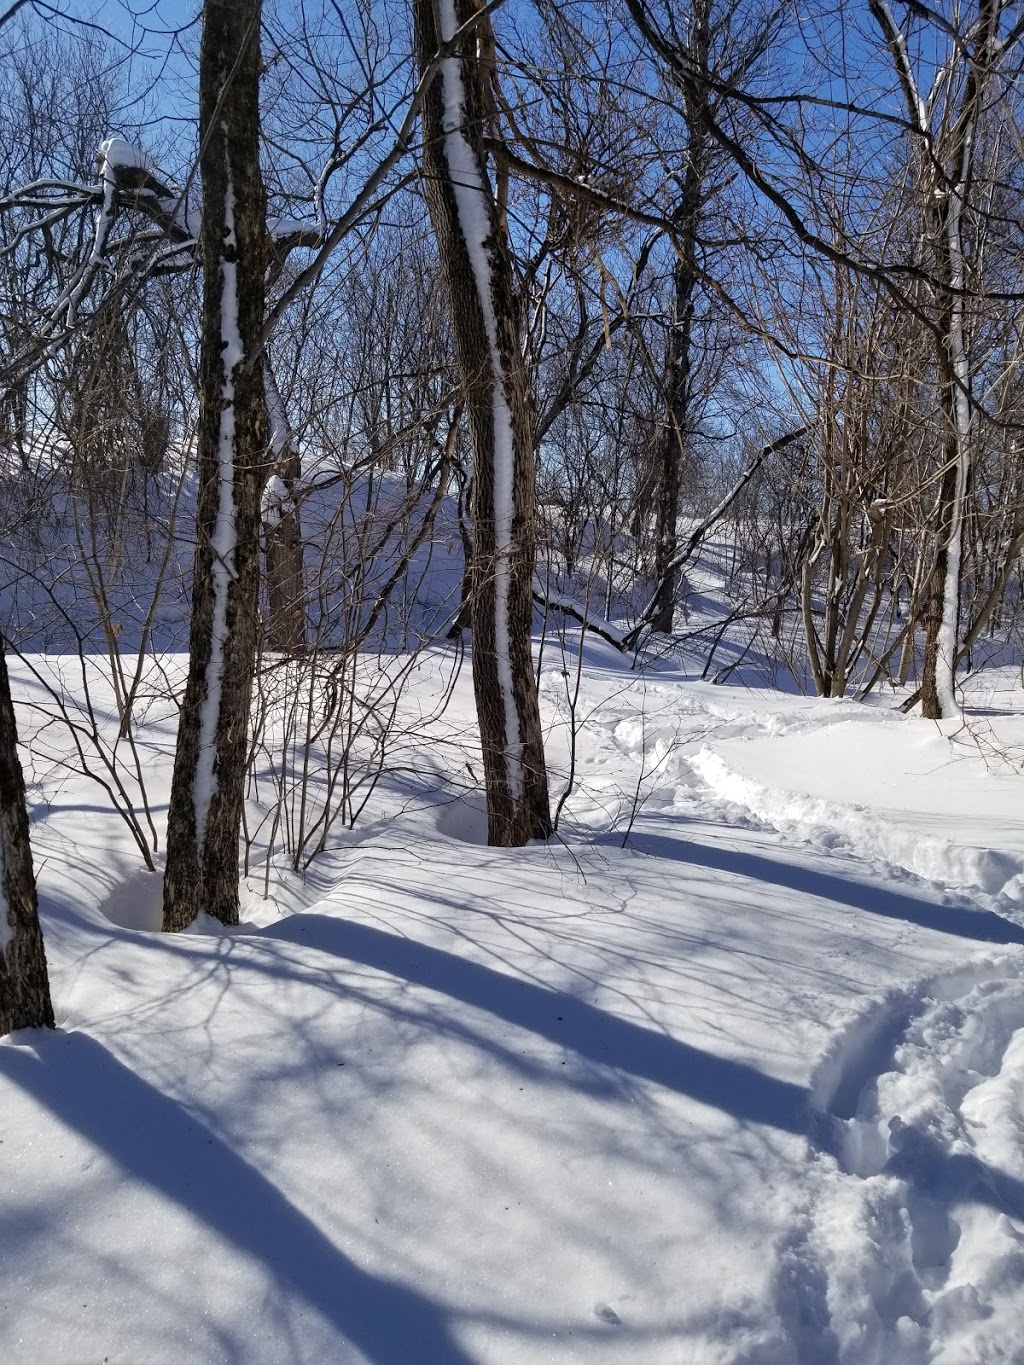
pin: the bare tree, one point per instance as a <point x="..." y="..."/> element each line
<point x="946" y="121"/>
<point x="477" y="269"/>
<point x="205" y="814"/>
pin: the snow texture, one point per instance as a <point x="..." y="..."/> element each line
<point x="723" y="1076"/>
<point x="918" y="1222"/>
<point x="224" y="539"/>
<point x="472" y="195"/>
<point x="115" y="151"/>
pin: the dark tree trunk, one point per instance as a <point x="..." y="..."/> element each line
<point x="673" y="448"/>
<point x="286" y="595"/>
<point x="464" y="617"/>
<point x="476" y="268"/>
<point x="204" y="820"/>
<point x="286" y="598"/>
<point x="24" y="983"/>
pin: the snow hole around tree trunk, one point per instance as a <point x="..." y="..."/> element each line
<point x="137" y="903"/>
<point x="464" y="819"/>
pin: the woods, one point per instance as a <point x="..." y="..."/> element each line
<point x="556" y="292"/>
<point x="512" y="682"/>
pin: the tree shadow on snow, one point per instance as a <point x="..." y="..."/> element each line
<point x="733" y="1087"/>
<point x="155" y="1141"/>
<point x="959" y="921"/>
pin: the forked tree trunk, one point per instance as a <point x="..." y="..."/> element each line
<point x="24" y="983"/>
<point x="476" y="268"/>
<point x="948" y="180"/>
<point x="204" y="820"/>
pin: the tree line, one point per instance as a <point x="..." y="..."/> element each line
<point x="591" y="282"/>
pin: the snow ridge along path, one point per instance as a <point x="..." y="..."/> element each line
<point x="942" y="803"/>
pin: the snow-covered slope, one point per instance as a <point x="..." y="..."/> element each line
<point x="746" y="1089"/>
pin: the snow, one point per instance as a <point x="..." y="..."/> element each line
<point x="729" y="1073"/>
<point x="472" y="196"/>
<point x="735" y="1092"/>
<point x="275" y="497"/>
<point x="224" y="538"/>
<point x="580" y="611"/>
<point x="870" y="787"/>
<point x="917" y="1215"/>
<point x="116" y="151"/>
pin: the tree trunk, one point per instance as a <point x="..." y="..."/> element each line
<point x="671" y="451"/>
<point x="476" y="268"/>
<point x="286" y="605"/>
<point x="948" y="180"/>
<point x="204" y="819"/>
<point x="674" y="445"/>
<point x="24" y="983"/>
<point x="937" y="669"/>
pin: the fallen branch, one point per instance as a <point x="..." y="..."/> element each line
<point x="629" y="641"/>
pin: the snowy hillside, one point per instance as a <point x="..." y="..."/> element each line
<point x="489" y="495"/>
<point x="729" y="1072"/>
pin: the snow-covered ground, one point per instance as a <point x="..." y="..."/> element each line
<point x="732" y="1071"/>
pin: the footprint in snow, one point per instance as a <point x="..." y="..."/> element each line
<point x="913" y="1250"/>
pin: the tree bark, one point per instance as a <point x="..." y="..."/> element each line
<point x="675" y="440"/>
<point x="24" y="982"/>
<point x="286" y="604"/>
<point x="476" y="268"/>
<point x="204" y="819"/>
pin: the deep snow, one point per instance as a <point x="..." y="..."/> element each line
<point x="749" y="1088"/>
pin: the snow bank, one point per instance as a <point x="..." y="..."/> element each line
<point x="923" y="808"/>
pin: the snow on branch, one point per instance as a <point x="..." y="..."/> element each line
<point x="128" y="187"/>
<point x="579" y="611"/>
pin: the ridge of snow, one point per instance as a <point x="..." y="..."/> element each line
<point x="991" y="875"/>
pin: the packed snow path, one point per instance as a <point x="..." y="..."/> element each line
<point x="723" y="1095"/>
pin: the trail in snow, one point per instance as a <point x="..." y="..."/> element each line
<point x="912" y="1251"/>
<point x="870" y="784"/>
